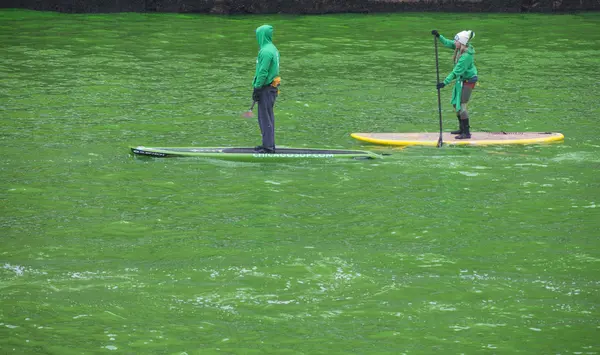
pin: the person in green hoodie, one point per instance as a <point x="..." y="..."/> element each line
<point x="266" y="86"/>
<point x="465" y="74"/>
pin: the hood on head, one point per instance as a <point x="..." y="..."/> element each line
<point x="264" y="35"/>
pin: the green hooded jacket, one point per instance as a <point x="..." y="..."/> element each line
<point x="267" y="62"/>
<point x="464" y="69"/>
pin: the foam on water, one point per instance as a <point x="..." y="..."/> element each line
<point x="320" y="281"/>
<point x="435" y="306"/>
<point x="18" y="270"/>
<point x="532" y="164"/>
<point x="491" y="325"/>
<point x="577" y="156"/>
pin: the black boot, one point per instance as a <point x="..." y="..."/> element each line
<point x="262" y="149"/>
<point x="466" y="133"/>
<point x="460" y="129"/>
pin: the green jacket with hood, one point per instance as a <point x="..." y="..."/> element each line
<point x="464" y="69"/>
<point x="267" y="62"/>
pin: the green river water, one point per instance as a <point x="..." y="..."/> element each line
<point x="448" y="251"/>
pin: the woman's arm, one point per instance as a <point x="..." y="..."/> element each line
<point x="447" y="42"/>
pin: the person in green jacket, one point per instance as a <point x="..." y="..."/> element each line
<point x="266" y="83"/>
<point x="465" y="74"/>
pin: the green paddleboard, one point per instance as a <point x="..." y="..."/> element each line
<point x="249" y="154"/>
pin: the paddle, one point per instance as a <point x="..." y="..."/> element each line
<point x="437" y="71"/>
<point x="248" y="113"/>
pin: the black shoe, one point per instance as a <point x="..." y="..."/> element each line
<point x="261" y="149"/>
<point x="463" y="136"/>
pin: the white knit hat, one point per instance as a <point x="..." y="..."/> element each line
<point x="464" y="36"/>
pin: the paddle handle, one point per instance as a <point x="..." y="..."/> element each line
<point x="437" y="72"/>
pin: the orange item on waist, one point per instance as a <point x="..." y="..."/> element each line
<point x="275" y="83"/>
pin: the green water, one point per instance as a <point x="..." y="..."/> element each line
<point x="452" y="250"/>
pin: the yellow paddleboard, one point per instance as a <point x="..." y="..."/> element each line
<point x="477" y="138"/>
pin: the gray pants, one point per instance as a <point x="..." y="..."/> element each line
<point x="266" y="117"/>
<point x="465" y="95"/>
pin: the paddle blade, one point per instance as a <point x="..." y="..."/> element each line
<point x="248" y="113"/>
